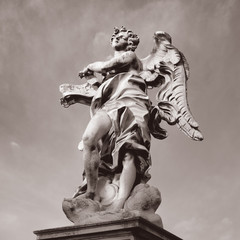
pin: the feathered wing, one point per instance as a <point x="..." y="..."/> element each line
<point x="167" y="69"/>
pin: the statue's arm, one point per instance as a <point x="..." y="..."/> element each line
<point x="116" y="62"/>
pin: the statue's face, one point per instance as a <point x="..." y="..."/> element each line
<point x="120" y="41"/>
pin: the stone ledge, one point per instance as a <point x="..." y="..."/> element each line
<point x="135" y="228"/>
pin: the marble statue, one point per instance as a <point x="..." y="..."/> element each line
<point x="116" y="142"/>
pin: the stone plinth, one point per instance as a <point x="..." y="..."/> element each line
<point x="129" y="229"/>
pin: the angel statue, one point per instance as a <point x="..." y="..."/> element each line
<point x="116" y="142"/>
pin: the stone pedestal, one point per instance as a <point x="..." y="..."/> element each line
<point x="136" y="228"/>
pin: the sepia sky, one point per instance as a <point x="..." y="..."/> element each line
<point x="46" y="43"/>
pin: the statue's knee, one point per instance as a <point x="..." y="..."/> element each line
<point x="88" y="141"/>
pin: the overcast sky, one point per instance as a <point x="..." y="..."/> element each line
<point x="45" y="43"/>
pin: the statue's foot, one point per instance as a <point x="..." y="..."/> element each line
<point x="81" y="189"/>
<point x="77" y="193"/>
<point x="87" y="195"/>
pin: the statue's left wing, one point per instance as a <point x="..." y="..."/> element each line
<point x="167" y="68"/>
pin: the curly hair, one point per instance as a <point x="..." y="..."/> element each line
<point x="133" y="39"/>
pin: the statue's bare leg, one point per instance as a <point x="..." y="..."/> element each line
<point x="126" y="182"/>
<point x="98" y="126"/>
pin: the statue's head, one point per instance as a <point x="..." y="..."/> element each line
<point x="123" y="39"/>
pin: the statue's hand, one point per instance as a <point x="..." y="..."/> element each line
<point x="85" y="72"/>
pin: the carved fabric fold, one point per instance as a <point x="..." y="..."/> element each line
<point x="125" y="100"/>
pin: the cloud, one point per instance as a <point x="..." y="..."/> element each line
<point x="7" y="219"/>
<point x="190" y="227"/>
<point x="14" y="145"/>
<point x="198" y="228"/>
<point x="101" y="38"/>
<point x="224" y="229"/>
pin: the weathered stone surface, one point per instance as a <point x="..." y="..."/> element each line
<point x="135" y="228"/>
<point x="78" y="210"/>
<point x="143" y="202"/>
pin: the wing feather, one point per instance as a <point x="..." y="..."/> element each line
<point x="167" y="68"/>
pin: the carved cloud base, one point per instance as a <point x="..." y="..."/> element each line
<point x="143" y="202"/>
